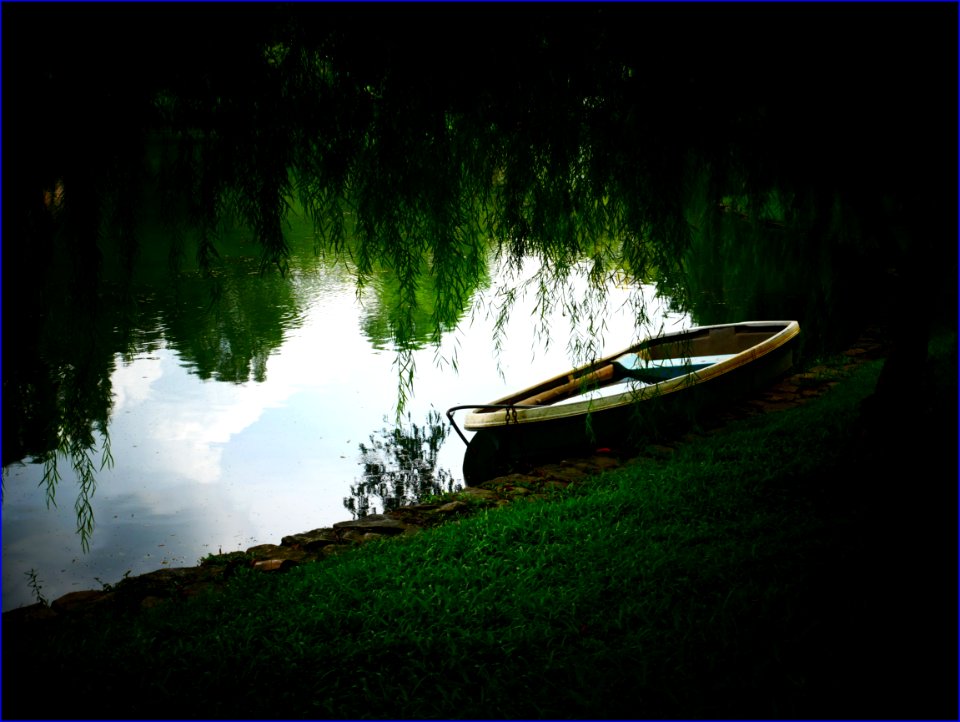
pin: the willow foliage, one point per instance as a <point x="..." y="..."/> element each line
<point x="416" y="136"/>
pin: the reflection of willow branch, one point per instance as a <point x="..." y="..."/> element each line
<point x="400" y="467"/>
<point x="84" y="468"/>
<point x="77" y="449"/>
<point x="232" y="339"/>
<point x="61" y="411"/>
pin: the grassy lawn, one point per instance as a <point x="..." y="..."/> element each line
<point x="787" y="565"/>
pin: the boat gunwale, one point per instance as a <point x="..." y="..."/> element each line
<point x="514" y="415"/>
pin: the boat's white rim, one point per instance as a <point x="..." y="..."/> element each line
<point x="501" y="417"/>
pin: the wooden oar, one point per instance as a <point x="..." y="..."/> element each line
<point x="629" y="365"/>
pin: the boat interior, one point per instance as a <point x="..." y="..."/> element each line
<point x="709" y="342"/>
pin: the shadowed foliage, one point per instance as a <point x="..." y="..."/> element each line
<point x="438" y="127"/>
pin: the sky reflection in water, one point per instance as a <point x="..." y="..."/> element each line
<point x="206" y="466"/>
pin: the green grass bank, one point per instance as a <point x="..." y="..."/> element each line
<point x="797" y="564"/>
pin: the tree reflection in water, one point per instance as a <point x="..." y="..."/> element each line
<point x="400" y="467"/>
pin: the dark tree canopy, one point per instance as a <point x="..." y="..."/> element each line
<point x="536" y="113"/>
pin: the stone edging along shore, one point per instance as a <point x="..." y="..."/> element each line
<point x="162" y="586"/>
<point x="153" y="588"/>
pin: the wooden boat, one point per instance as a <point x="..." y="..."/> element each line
<point x="626" y="397"/>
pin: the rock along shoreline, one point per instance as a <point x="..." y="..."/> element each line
<point x="165" y="585"/>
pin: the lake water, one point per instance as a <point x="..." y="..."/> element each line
<point x="204" y="466"/>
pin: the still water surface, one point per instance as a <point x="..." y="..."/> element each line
<point x="206" y="466"/>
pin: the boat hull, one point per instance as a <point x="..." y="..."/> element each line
<point x="511" y="430"/>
